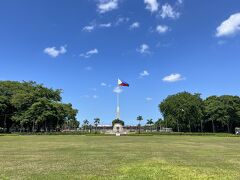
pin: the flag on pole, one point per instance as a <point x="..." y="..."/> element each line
<point x="122" y="83"/>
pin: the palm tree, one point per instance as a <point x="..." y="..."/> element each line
<point x="85" y="124"/>
<point x="150" y="123"/>
<point x="96" y="122"/>
<point x="139" y="118"/>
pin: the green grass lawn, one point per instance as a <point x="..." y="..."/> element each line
<point x="109" y="157"/>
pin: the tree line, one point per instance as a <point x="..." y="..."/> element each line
<point x="186" y="112"/>
<point x="28" y="106"/>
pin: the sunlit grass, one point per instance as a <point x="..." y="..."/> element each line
<point x="143" y="157"/>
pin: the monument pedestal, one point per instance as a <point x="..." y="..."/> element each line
<point x="118" y="128"/>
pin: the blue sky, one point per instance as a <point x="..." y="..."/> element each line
<point x="160" y="47"/>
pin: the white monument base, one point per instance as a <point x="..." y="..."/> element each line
<point x="117" y="130"/>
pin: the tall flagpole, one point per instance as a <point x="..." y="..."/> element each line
<point x="118" y="107"/>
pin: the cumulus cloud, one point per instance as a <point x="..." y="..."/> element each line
<point x="162" y="29"/>
<point x="107" y="5"/>
<point x="229" y="27"/>
<point x="89" y="53"/>
<point x="121" y="20"/>
<point x="54" y="52"/>
<point x="89" y="28"/>
<point x="143" y="49"/>
<point x="167" y="11"/>
<point x="151" y="5"/>
<point x="173" y="78"/>
<point x="144" y="73"/>
<point x="94" y="25"/>
<point x="117" y="90"/>
<point x="103" y="84"/>
<point x="106" y="25"/>
<point x="148" y="99"/>
<point x="134" y="25"/>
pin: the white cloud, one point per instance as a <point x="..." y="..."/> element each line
<point x="121" y="20"/>
<point x="117" y="90"/>
<point x="168" y="12"/>
<point x="162" y="29"/>
<point x="89" y="53"/>
<point x="107" y="5"/>
<point x="229" y="27"/>
<point x="179" y="2"/>
<point x="54" y="52"/>
<point x="144" y="73"/>
<point x="173" y="78"/>
<point x="103" y="84"/>
<point x="148" y="99"/>
<point x="144" y="49"/>
<point x="134" y="25"/>
<point x="94" y="25"/>
<point x="89" y="28"/>
<point x="88" y="68"/>
<point x="105" y="25"/>
<point x="95" y="96"/>
<point x="151" y="5"/>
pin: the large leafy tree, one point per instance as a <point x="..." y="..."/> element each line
<point x="32" y="106"/>
<point x="159" y="123"/>
<point x="223" y="112"/>
<point x="183" y="111"/>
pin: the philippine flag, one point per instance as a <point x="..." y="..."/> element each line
<point x="121" y="83"/>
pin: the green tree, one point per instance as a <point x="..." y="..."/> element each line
<point x="96" y="122"/>
<point x="223" y="112"/>
<point x="85" y="124"/>
<point x="73" y="124"/>
<point x="150" y="123"/>
<point x="159" y="123"/>
<point x="183" y="111"/>
<point x="139" y="119"/>
<point x="118" y="121"/>
<point x="31" y="106"/>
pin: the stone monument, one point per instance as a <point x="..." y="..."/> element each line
<point x="118" y="127"/>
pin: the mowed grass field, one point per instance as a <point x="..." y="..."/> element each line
<point x="128" y="157"/>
